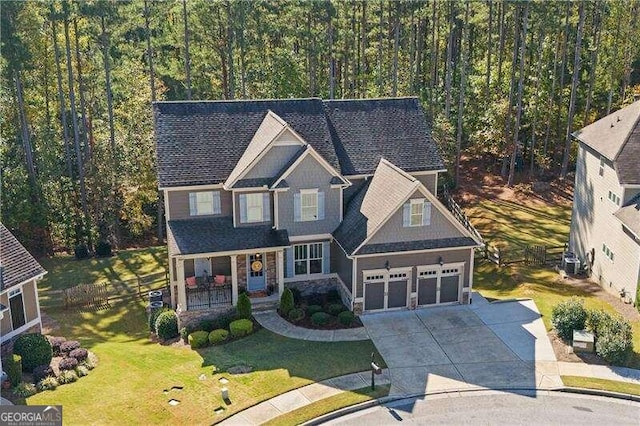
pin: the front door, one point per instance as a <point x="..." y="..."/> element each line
<point x="256" y="277"/>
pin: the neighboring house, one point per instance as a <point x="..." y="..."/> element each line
<point x="19" y="273"/>
<point x="308" y="193"/>
<point x="605" y="223"/>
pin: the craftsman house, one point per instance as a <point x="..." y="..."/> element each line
<point x="310" y="194"/>
<point x="19" y="273"/>
<point x="605" y="222"/>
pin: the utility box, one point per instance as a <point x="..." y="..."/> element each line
<point x="582" y="341"/>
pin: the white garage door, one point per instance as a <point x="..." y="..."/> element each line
<point x="386" y="290"/>
<point x="439" y="284"/>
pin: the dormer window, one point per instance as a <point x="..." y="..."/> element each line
<point x="417" y="212"/>
<point x="308" y="205"/>
<point x="254" y="208"/>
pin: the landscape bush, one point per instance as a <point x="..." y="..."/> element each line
<point x="286" y="302"/>
<point x="68" y="346"/>
<point x="55" y="343"/>
<point x="80" y="354"/>
<point x="34" y="349"/>
<point x="333" y="296"/>
<point x="41" y="372"/>
<point x="218" y="336"/>
<point x="243" y="307"/>
<point x="12" y="365"/>
<point x="48" y="383"/>
<point x="313" y="309"/>
<point x="153" y="316"/>
<point x="207" y="325"/>
<point x="91" y="361"/>
<point x="25" y="390"/>
<point x="68" y="364"/>
<point x="321" y="318"/>
<point x="167" y="325"/>
<point x="82" y="371"/>
<point x="335" y="308"/>
<point x="346" y="318"/>
<point x="81" y="252"/>
<point x="241" y="327"/>
<point x="613" y="336"/>
<point x="67" y="376"/>
<point x="184" y="334"/>
<point x="198" y="339"/>
<point x="568" y="316"/>
<point x="223" y="321"/>
<point x="297" y="297"/>
<point x="296" y="315"/>
<point x="103" y="249"/>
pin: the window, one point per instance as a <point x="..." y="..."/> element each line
<point x="308" y="204"/>
<point x="607" y="251"/>
<point x="614" y="198"/>
<point x="204" y="203"/>
<point x="601" y="172"/>
<point x="254" y="207"/>
<point x="16" y="307"/>
<point x="417" y="212"/>
<point x="307" y="259"/>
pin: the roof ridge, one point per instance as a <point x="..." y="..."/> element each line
<point x="397" y="169"/>
<point x="626" y="139"/>
<point x="392" y="98"/>
<point x="229" y="101"/>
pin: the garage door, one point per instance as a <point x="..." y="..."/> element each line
<point x="439" y="284"/>
<point x="385" y="290"/>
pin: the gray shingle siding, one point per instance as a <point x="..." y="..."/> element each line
<point x="179" y="203"/>
<point x="341" y="265"/>
<point x="309" y="174"/>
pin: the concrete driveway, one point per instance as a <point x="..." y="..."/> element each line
<point x="483" y="345"/>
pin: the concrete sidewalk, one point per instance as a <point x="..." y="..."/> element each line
<point x="302" y="397"/>
<point x="275" y="323"/>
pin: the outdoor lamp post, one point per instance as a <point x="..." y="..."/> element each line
<point x="374" y="370"/>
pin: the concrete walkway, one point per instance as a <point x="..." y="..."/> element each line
<point x="5" y="401"/>
<point x="275" y="323"/>
<point x="302" y="397"/>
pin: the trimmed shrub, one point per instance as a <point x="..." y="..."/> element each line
<point x="198" y="339"/>
<point x="321" y="318"/>
<point x="243" y="306"/>
<point x="103" y="249"/>
<point x="42" y="372"/>
<point x="25" y="390"/>
<point x="296" y="315"/>
<point x="218" y="336"/>
<point x="67" y="376"/>
<point x="223" y="321"/>
<point x="241" y="327"/>
<point x="613" y="335"/>
<point x="184" y="334"/>
<point x="568" y="316"/>
<point x="153" y="316"/>
<point x="297" y="297"/>
<point x="49" y="383"/>
<point x="12" y="365"/>
<point x="34" y="349"/>
<point x="55" y="343"/>
<point x="336" y="308"/>
<point x="68" y="346"/>
<point x="596" y="321"/>
<point x="68" y="363"/>
<point x="333" y="296"/>
<point x="346" y="318"/>
<point x="80" y="354"/>
<point x="82" y="371"/>
<point x="313" y="309"/>
<point x="81" y="252"/>
<point x="207" y="325"/>
<point x="167" y="325"/>
<point x="286" y="302"/>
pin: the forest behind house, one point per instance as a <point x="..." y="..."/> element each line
<point x="502" y="80"/>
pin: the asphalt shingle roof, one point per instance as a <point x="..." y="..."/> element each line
<point x="629" y="215"/>
<point x="17" y="264"/>
<point x="210" y="235"/>
<point x="201" y="142"/>
<point x="417" y="245"/>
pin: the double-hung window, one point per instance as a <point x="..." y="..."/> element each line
<point x="417" y="212"/>
<point x="204" y="203"/>
<point x="254" y="207"/>
<point x="308" y="204"/>
<point x="307" y="258"/>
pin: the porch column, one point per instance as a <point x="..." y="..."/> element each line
<point x="172" y="280"/>
<point x="234" y="279"/>
<point x="280" y="270"/>
<point x="182" y="292"/>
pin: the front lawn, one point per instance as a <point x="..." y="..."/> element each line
<point x="601" y="384"/>
<point x="127" y="386"/>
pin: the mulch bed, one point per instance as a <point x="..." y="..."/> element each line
<point x="333" y="325"/>
<point x="564" y="352"/>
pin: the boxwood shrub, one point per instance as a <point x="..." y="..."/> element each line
<point x="218" y="336"/>
<point x="68" y="364"/>
<point x="12" y="365"/>
<point x="312" y="309"/>
<point x="34" y="349"/>
<point x="346" y="318"/>
<point x="167" y="325"/>
<point x="568" y="316"/>
<point x="613" y="335"/>
<point x="153" y="316"/>
<point x="296" y="315"/>
<point x="198" y="339"/>
<point x="321" y="318"/>
<point x="335" y="308"/>
<point x="241" y="327"/>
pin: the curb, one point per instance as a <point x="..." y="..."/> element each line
<point x="375" y="402"/>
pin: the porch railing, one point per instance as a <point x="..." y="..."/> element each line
<point x="207" y="298"/>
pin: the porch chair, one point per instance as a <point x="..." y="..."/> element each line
<point x="191" y="282"/>
<point x="219" y="280"/>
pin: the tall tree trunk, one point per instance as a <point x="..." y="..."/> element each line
<point x="81" y="90"/>
<point x="434" y="56"/>
<point x="187" y="59"/>
<point x="230" y="40"/>
<point x="463" y="82"/>
<point x="63" y="108"/>
<point x="396" y="48"/>
<point x="332" y="60"/>
<point x="501" y="6"/>
<point x="563" y="67"/>
<point x="76" y="138"/>
<point x="26" y="138"/>
<point x="514" y="63"/>
<point x="363" y="66"/>
<point x="449" y="70"/>
<point x="552" y="92"/>
<point x="536" y="96"/>
<point x="489" y="41"/>
<point x="597" y="18"/>
<point x="616" y="43"/>
<point x="516" y="132"/>
<point x="574" y="88"/>
<point x="380" y="38"/>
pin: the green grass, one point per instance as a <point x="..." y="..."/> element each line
<point x="601" y="384"/>
<point x="127" y="386"/>
<point x="327" y="405"/>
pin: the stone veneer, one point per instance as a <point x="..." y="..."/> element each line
<point x="192" y="318"/>
<point x="320" y="286"/>
<point x="270" y="270"/>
